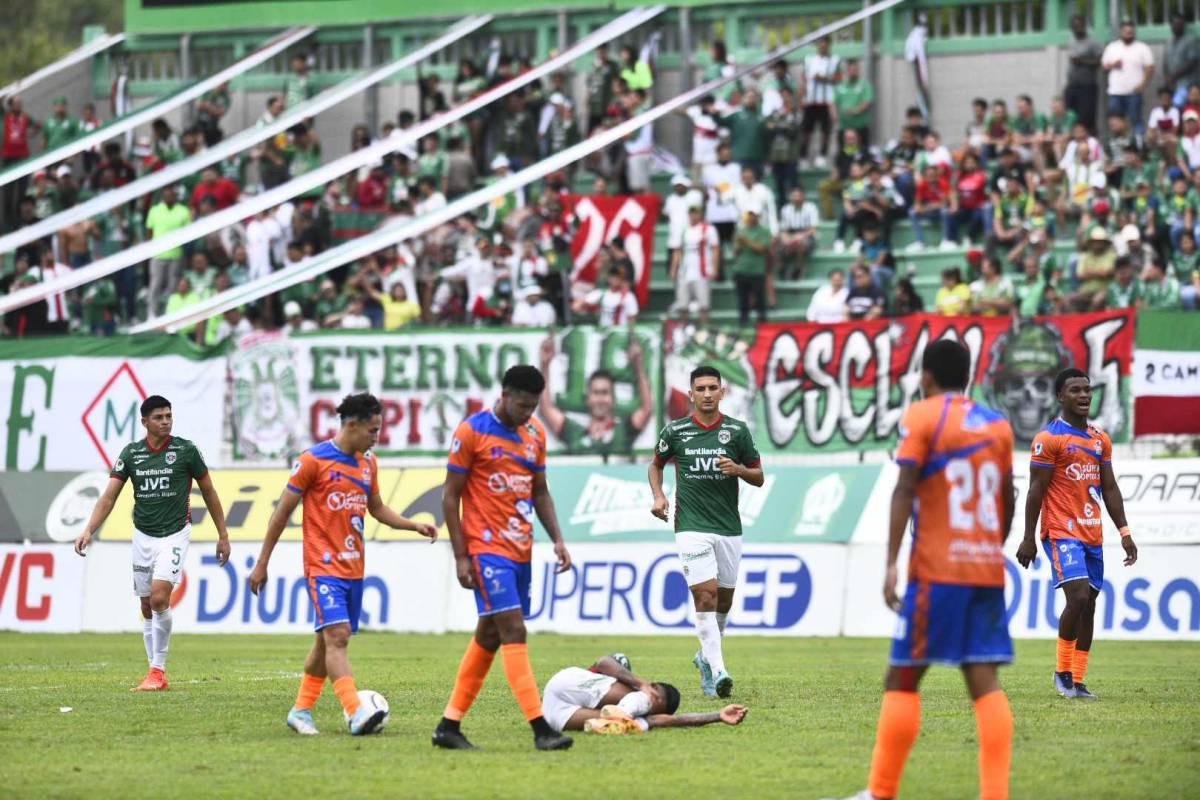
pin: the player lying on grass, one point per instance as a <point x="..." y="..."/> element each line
<point x="609" y="699"/>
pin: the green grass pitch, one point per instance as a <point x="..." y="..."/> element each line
<point x="813" y="703"/>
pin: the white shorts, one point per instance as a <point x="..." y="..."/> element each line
<point x="158" y="558"/>
<point x="689" y="293"/>
<point x="709" y="555"/>
<point x="570" y="690"/>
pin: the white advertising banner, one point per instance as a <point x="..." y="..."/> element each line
<point x="76" y="412"/>
<point x="1161" y="496"/>
<point x="41" y="589"/>
<point x="1156" y="598"/>
<point x="405" y="589"/>
<point x="783" y="590"/>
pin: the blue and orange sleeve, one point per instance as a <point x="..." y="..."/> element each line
<point x="916" y="430"/>
<point x="374" y="465"/>
<point x="1106" y="449"/>
<point x="462" y="449"/>
<point x="1043" y="452"/>
<point x="541" y="447"/>
<point x="304" y="474"/>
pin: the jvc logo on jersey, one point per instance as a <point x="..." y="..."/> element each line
<point x="774" y="592"/>
<point x="703" y="465"/>
<point x="155" y="484"/>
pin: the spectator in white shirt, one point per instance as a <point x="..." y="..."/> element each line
<point x="1130" y="66"/>
<point x="350" y="318"/>
<point x="828" y="303"/>
<point x="476" y="271"/>
<point x="233" y="323"/>
<point x="532" y="310"/>
<point x="1164" y="117"/>
<point x="295" y="320"/>
<point x="261" y="234"/>
<point x="706" y="133"/>
<point x="720" y="180"/>
<point x="615" y="305"/>
<point x="750" y="193"/>
<point x="676" y="208"/>
<point x="694" y="265"/>
<point x="797" y="233"/>
<point x="528" y="267"/>
<point x="822" y="71"/>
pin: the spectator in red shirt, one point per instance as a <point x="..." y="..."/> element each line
<point x="968" y="200"/>
<point x="930" y="202"/>
<point x="122" y="171"/>
<point x="18" y="126"/>
<point x="222" y="190"/>
<point x="372" y="192"/>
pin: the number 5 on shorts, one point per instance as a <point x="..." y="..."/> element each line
<point x="176" y="552"/>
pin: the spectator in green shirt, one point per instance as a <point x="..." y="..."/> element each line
<point x="1126" y="290"/>
<point x="1031" y="287"/>
<point x="853" y="98"/>
<point x="1185" y="263"/>
<point x="1159" y="292"/>
<point x="59" y="128"/>
<point x="298" y="86"/>
<point x="183" y="297"/>
<point x="751" y="266"/>
<point x="306" y="157"/>
<point x="1029" y="129"/>
<point x="636" y="71"/>
<point x="164" y="218"/>
<point x="748" y="134"/>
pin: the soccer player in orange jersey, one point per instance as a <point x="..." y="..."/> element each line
<point x="955" y="482"/>
<point x="1070" y="475"/>
<point x="497" y="474"/>
<point x="338" y="481"/>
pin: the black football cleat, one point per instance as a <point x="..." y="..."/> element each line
<point x="553" y="741"/>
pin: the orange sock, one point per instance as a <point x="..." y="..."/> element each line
<point x="472" y="671"/>
<point x="899" y="724"/>
<point x="994" y="719"/>
<point x="347" y="693"/>
<point x="310" y="690"/>
<point x="1066" y="653"/>
<point x="520" y="679"/>
<point x="1079" y="665"/>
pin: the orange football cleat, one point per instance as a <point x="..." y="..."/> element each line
<point x="155" y="681"/>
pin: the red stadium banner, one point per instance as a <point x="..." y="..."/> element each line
<point x="804" y="387"/>
<point x="603" y="218"/>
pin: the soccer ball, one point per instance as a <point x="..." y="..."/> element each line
<point x="374" y="701"/>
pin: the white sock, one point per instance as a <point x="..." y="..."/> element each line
<point x="721" y="622"/>
<point x="162" y="638"/>
<point x="710" y="640"/>
<point x="148" y="638"/>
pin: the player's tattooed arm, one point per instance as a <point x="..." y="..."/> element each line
<point x="1039" y="479"/>
<point x="731" y="715"/>
<point x="104" y="507"/>
<point x="607" y="665"/>
<point x="283" y="511"/>
<point x="1116" y="510"/>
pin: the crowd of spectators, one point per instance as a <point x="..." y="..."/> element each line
<point x="1049" y="211"/>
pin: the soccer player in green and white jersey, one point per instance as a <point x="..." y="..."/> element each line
<point x="162" y="468"/>
<point x="712" y="452"/>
